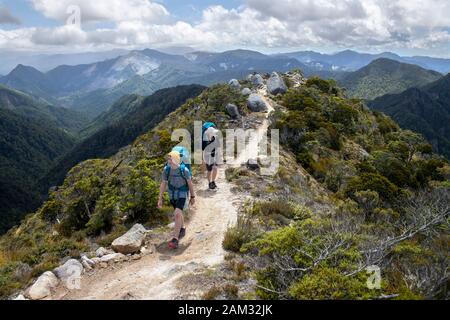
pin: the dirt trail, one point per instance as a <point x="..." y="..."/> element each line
<point x="154" y="276"/>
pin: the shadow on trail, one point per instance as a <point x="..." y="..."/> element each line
<point x="167" y="253"/>
<point x="206" y="193"/>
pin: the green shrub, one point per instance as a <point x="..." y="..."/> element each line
<point x="345" y="115"/>
<point x="305" y="159"/>
<point x="102" y="218"/>
<point x="300" y="99"/>
<point x="330" y="284"/>
<point x="142" y="195"/>
<point x="326" y="86"/>
<point x="237" y="236"/>
<point x="397" y="171"/>
<point x="281" y="207"/>
<point x="385" y="124"/>
<point x="375" y="182"/>
<point x="50" y="210"/>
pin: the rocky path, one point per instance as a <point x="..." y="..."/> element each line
<point x="154" y="276"/>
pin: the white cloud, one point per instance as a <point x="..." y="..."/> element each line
<point x="300" y="11"/>
<point x="104" y="10"/>
<point x="17" y="38"/>
<point x="60" y="36"/>
<point x="357" y="24"/>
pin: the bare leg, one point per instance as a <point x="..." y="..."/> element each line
<point x="214" y="173"/>
<point x="209" y="175"/>
<point x="179" y="223"/>
<point x="203" y="166"/>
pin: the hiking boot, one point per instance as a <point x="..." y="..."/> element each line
<point x="182" y="233"/>
<point x="214" y="185"/>
<point x="173" y="244"/>
<point x="211" y="186"/>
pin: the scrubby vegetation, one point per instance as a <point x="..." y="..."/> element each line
<point x="391" y="200"/>
<point x="101" y="198"/>
<point x="353" y="191"/>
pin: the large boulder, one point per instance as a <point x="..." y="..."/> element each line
<point x="256" y="104"/>
<point x="256" y="79"/>
<point x="234" y="84"/>
<point x="43" y="286"/>
<point x="276" y="85"/>
<point x="246" y="92"/>
<point x="131" y="241"/>
<point x="233" y="110"/>
<point x="70" y="273"/>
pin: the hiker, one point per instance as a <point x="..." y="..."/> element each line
<point x="177" y="176"/>
<point x="210" y="143"/>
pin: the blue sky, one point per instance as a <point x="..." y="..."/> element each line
<point x="403" y="27"/>
<point x="192" y="11"/>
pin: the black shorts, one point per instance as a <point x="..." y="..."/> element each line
<point x="211" y="167"/>
<point x="178" y="203"/>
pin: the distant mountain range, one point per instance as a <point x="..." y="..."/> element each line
<point x="425" y="110"/>
<point x="87" y="91"/>
<point x="92" y="88"/>
<point x="46" y="62"/>
<point x="383" y="76"/>
<point x="349" y="60"/>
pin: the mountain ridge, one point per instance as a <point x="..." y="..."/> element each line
<point x="92" y="88"/>
<point x="425" y="110"/>
<point x="383" y="76"/>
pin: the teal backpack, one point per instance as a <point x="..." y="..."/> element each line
<point x="185" y="164"/>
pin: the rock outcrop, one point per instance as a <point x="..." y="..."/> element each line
<point x="43" y="286"/>
<point x="233" y="110"/>
<point x="131" y="241"/>
<point x="256" y="79"/>
<point x="69" y="272"/>
<point x="246" y="92"/>
<point x="234" y="84"/>
<point x="256" y="103"/>
<point x="276" y="85"/>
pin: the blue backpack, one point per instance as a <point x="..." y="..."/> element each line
<point x="185" y="164"/>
